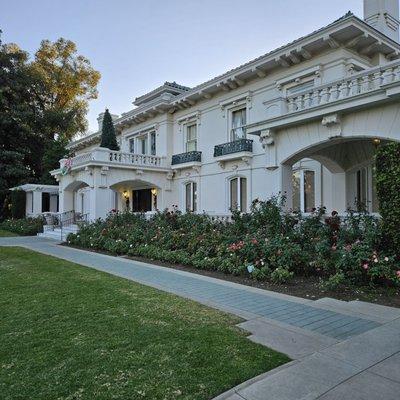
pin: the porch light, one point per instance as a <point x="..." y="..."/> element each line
<point x="376" y="142"/>
<point x="125" y="194"/>
<point x="154" y="192"/>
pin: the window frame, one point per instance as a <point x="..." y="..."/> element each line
<point x="189" y="125"/>
<point x="241" y="192"/>
<point x="302" y="190"/>
<point x="240" y="107"/>
<point x="192" y="205"/>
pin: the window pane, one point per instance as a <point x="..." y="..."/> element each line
<point x="309" y="190"/>
<point x="188" y="197"/>
<point x="238" y="121"/>
<point x="194" y="199"/>
<point x="296" y="191"/>
<point x="234" y="194"/>
<point x="153" y="143"/>
<point x="243" y="194"/>
<point x="132" y="145"/>
<point x="191" y="138"/>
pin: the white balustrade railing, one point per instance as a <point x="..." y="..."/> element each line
<point x="357" y="84"/>
<point x="135" y="159"/>
<point x="101" y="154"/>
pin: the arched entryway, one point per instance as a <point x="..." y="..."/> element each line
<point x="76" y="197"/>
<point x="136" y="196"/>
<point x="338" y="174"/>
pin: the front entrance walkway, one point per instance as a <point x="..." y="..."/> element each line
<point x="342" y="350"/>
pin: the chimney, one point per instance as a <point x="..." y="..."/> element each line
<point x="383" y="15"/>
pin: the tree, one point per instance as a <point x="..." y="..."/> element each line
<point x="70" y="82"/>
<point x="108" y="138"/>
<point x="43" y="104"/>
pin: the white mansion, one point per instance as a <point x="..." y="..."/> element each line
<point x="303" y="120"/>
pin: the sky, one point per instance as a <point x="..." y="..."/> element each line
<point x="138" y="45"/>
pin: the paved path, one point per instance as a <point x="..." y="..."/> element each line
<point x="341" y="350"/>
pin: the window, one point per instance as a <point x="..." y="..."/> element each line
<point x="142" y="144"/>
<point x="191" y="197"/>
<point x="303" y="190"/>
<point x="300" y="87"/>
<point x="238" y="194"/>
<point x="191" y="138"/>
<point x="238" y="123"/>
<point x="365" y="190"/>
<point x="153" y="143"/>
<point x="132" y="145"/>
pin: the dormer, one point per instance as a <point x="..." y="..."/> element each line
<point x="166" y="92"/>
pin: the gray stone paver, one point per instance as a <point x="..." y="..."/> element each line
<point x="343" y="350"/>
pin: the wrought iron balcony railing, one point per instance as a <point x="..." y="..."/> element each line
<point x="190" y="156"/>
<point x="233" y="147"/>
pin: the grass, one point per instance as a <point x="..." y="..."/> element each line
<point x="4" y="233"/>
<point x="69" y="332"/>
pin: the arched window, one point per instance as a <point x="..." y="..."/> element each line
<point x="238" y="194"/>
<point x="191" y="197"/>
<point x="303" y="190"/>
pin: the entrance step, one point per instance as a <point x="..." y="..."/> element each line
<point x="57" y="234"/>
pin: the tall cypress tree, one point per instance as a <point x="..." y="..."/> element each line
<point x="108" y="138"/>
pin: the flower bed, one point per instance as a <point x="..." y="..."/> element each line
<point x="265" y="244"/>
<point x="23" y="226"/>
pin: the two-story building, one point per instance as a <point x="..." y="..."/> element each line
<point x="303" y="120"/>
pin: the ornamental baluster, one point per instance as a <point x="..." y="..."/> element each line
<point x="324" y="96"/>
<point x="343" y="90"/>
<point x="333" y="93"/>
<point x="387" y="76"/>
<point x="291" y="105"/>
<point x="365" y="83"/>
<point x="307" y="100"/>
<point x="377" y="80"/>
<point x="354" y="87"/>
<point x="396" y="73"/>
<point x="315" y="98"/>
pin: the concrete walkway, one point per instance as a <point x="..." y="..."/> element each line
<point x="341" y="350"/>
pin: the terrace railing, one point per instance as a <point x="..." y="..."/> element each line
<point x="363" y="82"/>
<point x="233" y="147"/>
<point x="190" y="156"/>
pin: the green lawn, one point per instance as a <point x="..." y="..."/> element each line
<point x="70" y="332"/>
<point x="4" y="233"/>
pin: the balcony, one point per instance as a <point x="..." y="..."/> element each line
<point x="101" y="156"/>
<point x="363" y="89"/>
<point x="238" y="149"/>
<point x="186" y="160"/>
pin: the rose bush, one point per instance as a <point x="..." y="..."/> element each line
<point x="23" y="226"/>
<point x="267" y="243"/>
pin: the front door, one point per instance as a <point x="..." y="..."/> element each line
<point x="141" y="200"/>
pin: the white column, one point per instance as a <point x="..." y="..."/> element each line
<point x="339" y="192"/>
<point x="285" y="176"/>
<point x="37" y="203"/>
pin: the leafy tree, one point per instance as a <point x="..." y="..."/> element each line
<point x="43" y="104"/>
<point x="69" y="83"/>
<point x="108" y="138"/>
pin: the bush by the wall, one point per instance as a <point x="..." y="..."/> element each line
<point x="23" y="226"/>
<point x="18" y="199"/>
<point x="265" y="244"/>
<point x="388" y="190"/>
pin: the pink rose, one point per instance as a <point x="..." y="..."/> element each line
<point x="398" y="274"/>
<point x="365" y="266"/>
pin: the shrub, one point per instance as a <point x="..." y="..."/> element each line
<point x="388" y="190"/>
<point x="17" y="204"/>
<point x="265" y="244"/>
<point x="23" y="226"/>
